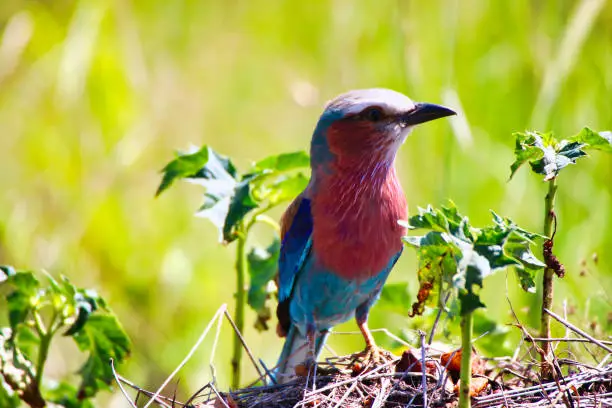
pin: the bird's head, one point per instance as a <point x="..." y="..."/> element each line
<point x="368" y="125"/>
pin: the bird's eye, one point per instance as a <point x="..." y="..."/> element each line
<point x="373" y="114"/>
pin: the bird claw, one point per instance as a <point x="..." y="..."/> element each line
<point x="370" y="358"/>
<point x="308" y="366"/>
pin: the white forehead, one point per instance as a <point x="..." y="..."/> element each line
<point x="352" y="102"/>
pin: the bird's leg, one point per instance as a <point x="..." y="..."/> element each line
<point x="371" y="352"/>
<point x="303" y="370"/>
<point x="372" y="355"/>
<point x="310" y="368"/>
<point x="311" y="361"/>
<point x="311" y="335"/>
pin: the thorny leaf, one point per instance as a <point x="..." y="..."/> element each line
<point x="86" y="303"/>
<point x="240" y="204"/>
<point x="284" y="188"/>
<point x="102" y="338"/>
<point x="229" y="196"/>
<point x="456" y="256"/>
<point x="27" y="341"/>
<point x="282" y="162"/>
<point x="262" y="268"/>
<point x="594" y="140"/>
<point x="218" y="175"/>
<point x="548" y="155"/>
<point x="185" y="165"/>
<point x="23" y="298"/>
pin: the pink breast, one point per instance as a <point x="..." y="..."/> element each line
<point x="355" y="224"/>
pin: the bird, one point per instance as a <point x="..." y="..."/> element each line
<point x="341" y="237"/>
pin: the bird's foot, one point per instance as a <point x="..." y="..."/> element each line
<point x="308" y="367"/>
<point x="370" y="358"/>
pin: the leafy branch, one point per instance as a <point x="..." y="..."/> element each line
<point x="235" y="202"/>
<point x="36" y="314"/>
<point x="547" y="156"/>
<point x="455" y="257"/>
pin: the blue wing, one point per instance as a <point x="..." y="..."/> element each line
<point x="295" y="246"/>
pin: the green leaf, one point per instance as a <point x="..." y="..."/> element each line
<point x="282" y="162"/>
<point x="477" y="267"/>
<point x="24" y="281"/>
<point x="526" y="277"/>
<point x="262" y="264"/>
<point x="223" y="193"/>
<point x="103" y="338"/>
<point x="553" y="161"/>
<point x="66" y="395"/>
<point x="505" y="224"/>
<point x="27" y="341"/>
<point x="455" y="256"/>
<point x="229" y="197"/>
<point x="241" y="203"/>
<point x="84" y="302"/>
<point x="270" y="182"/>
<point x="429" y="218"/>
<point x="286" y="188"/>
<point x="276" y="179"/>
<point x="84" y="310"/>
<point x="23" y="298"/>
<point x="185" y="165"/>
<point x="547" y="155"/>
<point x="594" y="140"/>
<point x="526" y="149"/>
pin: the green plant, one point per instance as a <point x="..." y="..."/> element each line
<point x="547" y="156"/>
<point x="36" y="313"/>
<point x="234" y="202"/>
<point x="455" y="257"/>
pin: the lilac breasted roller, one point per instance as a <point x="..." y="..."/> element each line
<point x="341" y="236"/>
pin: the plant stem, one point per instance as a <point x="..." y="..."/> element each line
<point x="241" y="272"/>
<point x="466" y="361"/>
<point x="547" y="280"/>
<point x="45" y="342"/>
<point x="43" y="353"/>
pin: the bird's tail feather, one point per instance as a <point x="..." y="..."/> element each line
<point x="295" y="352"/>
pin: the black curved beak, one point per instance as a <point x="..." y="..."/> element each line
<point x="424" y="112"/>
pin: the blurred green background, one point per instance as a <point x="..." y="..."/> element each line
<point x="95" y="95"/>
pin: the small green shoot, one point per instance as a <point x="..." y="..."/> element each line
<point x="547" y="156"/>
<point x="36" y="314"/>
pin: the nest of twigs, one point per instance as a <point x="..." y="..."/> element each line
<point x="424" y="377"/>
<point x="399" y="383"/>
